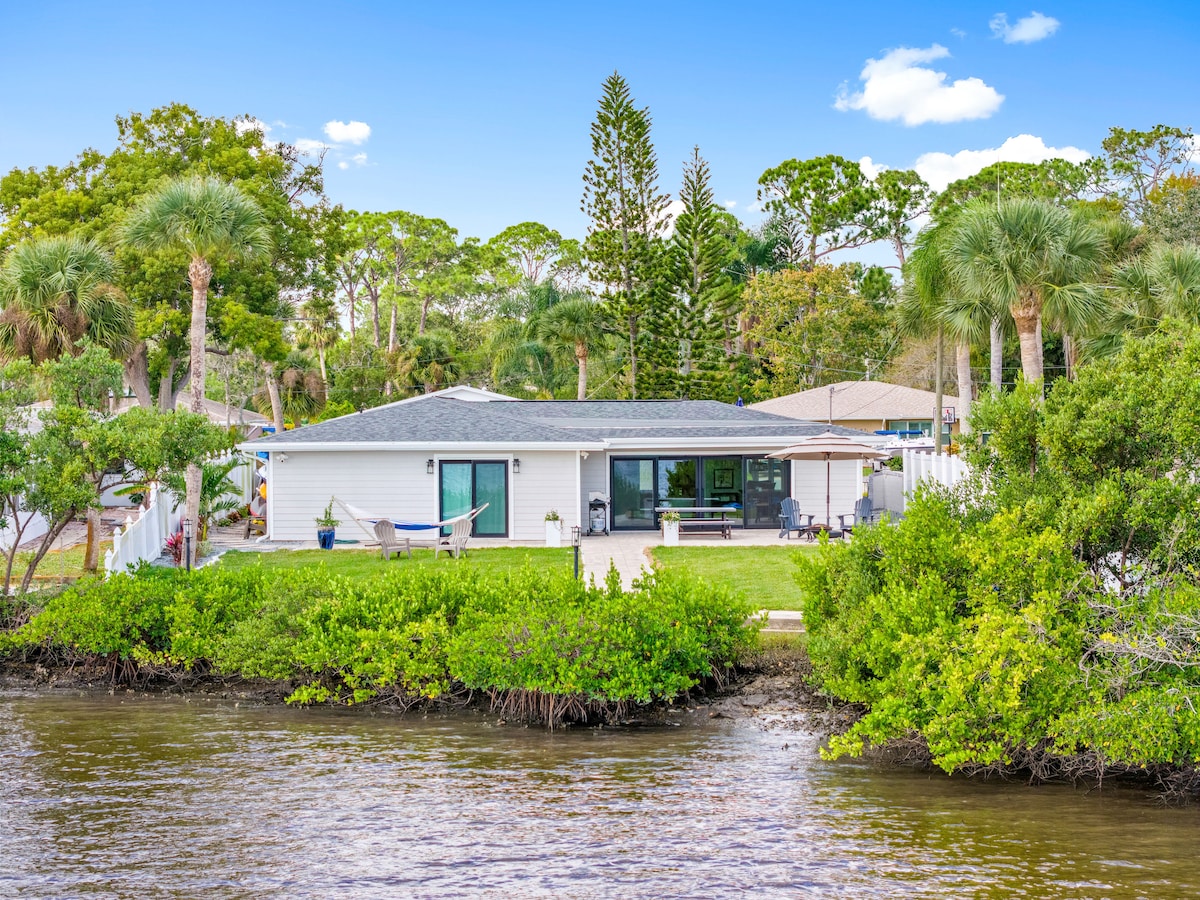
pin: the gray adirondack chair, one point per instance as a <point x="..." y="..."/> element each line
<point x="460" y="532"/>
<point x="863" y="514"/>
<point x="389" y="541"/>
<point x="791" y="519"/>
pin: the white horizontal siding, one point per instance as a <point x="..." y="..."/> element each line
<point x="395" y="484"/>
<point x="546" y="481"/>
<point x="808" y="486"/>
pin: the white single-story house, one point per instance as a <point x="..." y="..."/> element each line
<point x="431" y="457"/>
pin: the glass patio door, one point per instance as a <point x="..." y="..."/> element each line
<point x="768" y="483"/>
<point x="633" y="493"/>
<point x="467" y="484"/>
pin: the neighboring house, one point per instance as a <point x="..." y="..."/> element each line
<point x="427" y="458"/>
<point x="868" y="406"/>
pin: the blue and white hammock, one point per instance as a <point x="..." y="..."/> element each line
<point x="361" y="515"/>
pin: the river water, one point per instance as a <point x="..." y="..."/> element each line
<point x="150" y="796"/>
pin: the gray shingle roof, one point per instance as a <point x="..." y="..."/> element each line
<point x="441" y="420"/>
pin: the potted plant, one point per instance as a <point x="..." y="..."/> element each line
<point x="670" y="528"/>
<point x="326" y="524"/>
<point x="553" y="529"/>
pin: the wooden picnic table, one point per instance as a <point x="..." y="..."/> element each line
<point x="697" y="518"/>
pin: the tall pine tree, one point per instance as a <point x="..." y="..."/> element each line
<point x="705" y="311"/>
<point x="622" y="199"/>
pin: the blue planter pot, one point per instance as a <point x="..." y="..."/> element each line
<point x="325" y="538"/>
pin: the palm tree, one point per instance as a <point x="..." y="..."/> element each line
<point x="302" y="394"/>
<point x="319" y="328"/>
<point x="1144" y="291"/>
<point x="217" y="493"/>
<point x="55" y="292"/>
<point x="208" y="219"/>
<point x="576" y="322"/>
<point x="1028" y="255"/>
<point x="428" y="362"/>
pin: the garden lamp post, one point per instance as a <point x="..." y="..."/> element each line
<point x="187" y="541"/>
<point x="576" y="540"/>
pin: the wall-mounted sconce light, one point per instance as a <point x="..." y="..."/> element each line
<point x="283" y="457"/>
<point x="429" y="467"/>
<point x="583" y="454"/>
<point x="516" y="466"/>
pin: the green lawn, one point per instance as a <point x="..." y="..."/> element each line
<point x="764" y="574"/>
<point x="366" y="562"/>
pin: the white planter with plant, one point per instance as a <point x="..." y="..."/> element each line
<point x="670" y="529"/>
<point x="553" y="529"/>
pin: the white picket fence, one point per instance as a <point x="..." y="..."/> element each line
<point x="922" y="466"/>
<point x="144" y="538"/>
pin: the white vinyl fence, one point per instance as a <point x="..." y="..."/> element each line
<point x="921" y="466"/>
<point x="242" y="475"/>
<point x="145" y="537"/>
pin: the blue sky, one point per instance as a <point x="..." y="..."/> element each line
<point x="478" y="113"/>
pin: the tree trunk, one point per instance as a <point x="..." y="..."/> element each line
<point x="193" y="477"/>
<point x="633" y="357"/>
<point x="1069" y="355"/>
<point x="425" y="301"/>
<point x="581" y="357"/>
<point x="91" y="557"/>
<point x="273" y="395"/>
<point x="48" y="540"/>
<point x="1026" y="314"/>
<point x="137" y="375"/>
<point x="997" y="356"/>
<point x="199" y="274"/>
<point x="14" y="516"/>
<point x="321" y="362"/>
<point x="939" y="389"/>
<point x="374" y="295"/>
<point x="962" y="360"/>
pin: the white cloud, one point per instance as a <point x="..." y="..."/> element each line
<point x="756" y="206"/>
<point x="939" y="169"/>
<point x="347" y="132"/>
<point x="899" y="87"/>
<point x="359" y="159"/>
<point x="343" y="165"/>
<point x="958" y="33"/>
<point x="1034" y="27"/>
<point x="730" y="204"/>
<point x="309" y="147"/>
<point x="242" y="126"/>
<point x="870" y="168"/>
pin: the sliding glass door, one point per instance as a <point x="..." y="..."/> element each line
<point x="768" y="482"/>
<point x="639" y="485"/>
<point x="633" y="493"/>
<point x="468" y="484"/>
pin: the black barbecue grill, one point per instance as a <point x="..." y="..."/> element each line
<point x="598" y="515"/>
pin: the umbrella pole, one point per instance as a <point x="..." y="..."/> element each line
<point x="828" y="480"/>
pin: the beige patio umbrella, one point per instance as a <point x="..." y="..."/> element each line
<point x="828" y="446"/>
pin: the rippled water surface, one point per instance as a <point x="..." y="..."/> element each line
<point x="160" y="797"/>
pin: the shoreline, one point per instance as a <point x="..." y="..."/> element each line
<point x="771" y="687"/>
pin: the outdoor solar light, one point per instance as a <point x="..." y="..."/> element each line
<point x="516" y="466"/>
<point x="187" y="541"/>
<point x="429" y="467"/>
<point x="576" y="540"/>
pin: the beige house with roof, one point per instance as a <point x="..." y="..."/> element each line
<point x="868" y="406"/>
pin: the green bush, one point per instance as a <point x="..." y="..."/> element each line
<point x="408" y="633"/>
